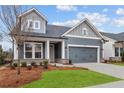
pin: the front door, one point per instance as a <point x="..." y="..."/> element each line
<point x="52" y="54"/>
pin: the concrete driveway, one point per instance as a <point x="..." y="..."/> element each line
<point x="109" y="69"/>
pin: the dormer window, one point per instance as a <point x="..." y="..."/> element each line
<point x="36" y="24"/>
<point x="33" y="24"/>
<point x="84" y="31"/>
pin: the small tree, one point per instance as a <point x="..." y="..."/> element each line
<point x="12" y="24"/>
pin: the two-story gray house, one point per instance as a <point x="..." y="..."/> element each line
<point x="80" y="43"/>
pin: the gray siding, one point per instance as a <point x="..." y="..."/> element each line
<point x="78" y="31"/>
<point x="83" y="41"/>
<point x="33" y="16"/>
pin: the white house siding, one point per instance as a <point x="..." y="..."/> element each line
<point x="108" y="49"/>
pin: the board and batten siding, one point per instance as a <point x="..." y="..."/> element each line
<point x="35" y="17"/>
<point x="85" y="41"/>
<point x="78" y="31"/>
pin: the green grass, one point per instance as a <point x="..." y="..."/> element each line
<point x="121" y="64"/>
<point x="70" y="79"/>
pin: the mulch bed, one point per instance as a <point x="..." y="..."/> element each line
<point x="9" y="77"/>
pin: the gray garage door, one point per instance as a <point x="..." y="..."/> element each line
<point x="82" y="54"/>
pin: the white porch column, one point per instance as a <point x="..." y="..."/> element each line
<point x="119" y="52"/>
<point x="47" y="52"/>
<point x="63" y="50"/>
<point x="98" y="55"/>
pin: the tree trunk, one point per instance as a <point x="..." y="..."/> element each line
<point x="12" y="53"/>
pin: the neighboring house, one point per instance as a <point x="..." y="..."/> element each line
<point x="81" y="43"/>
<point x="114" y="47"/>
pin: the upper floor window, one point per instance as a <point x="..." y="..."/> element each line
<point x="33" y="24"/>
<point x="84" y="31"/>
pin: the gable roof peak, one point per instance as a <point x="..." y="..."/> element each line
<point x="33" y="9"/>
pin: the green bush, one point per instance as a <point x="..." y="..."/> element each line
<point x="23" y="64"/>
<point x="45" y="64"/>
<point x="41" y="63"/>
<point x="33" y="63"/>
<point x="122" y="58"/>
<point x="15" y="64"/>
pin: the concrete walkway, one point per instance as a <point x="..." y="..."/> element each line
<point x="109" y="69"/>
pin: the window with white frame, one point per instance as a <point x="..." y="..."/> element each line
<point x="118" y="51"/>
<point x="33" y="24"/>
<point x="33" y="50"/>
<point x="28" y="50"/>
<point x="38" y="51"/>
<point x="36" y="24"/>
<point x="84" y="31"/>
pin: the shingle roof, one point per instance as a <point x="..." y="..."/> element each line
<point x="118" y="37"/>
<point x="52" y="31"/>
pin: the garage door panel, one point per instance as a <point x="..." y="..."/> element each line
<point x="81" y="54"/>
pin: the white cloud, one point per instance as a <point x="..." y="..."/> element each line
<point x="119" y="22"/>
<point x="66" y="7"/>
<point x="120" y="11"/>
<point x="67" y="23"/>
<point x="105" y="10"/>
<point x="97" y="18"/>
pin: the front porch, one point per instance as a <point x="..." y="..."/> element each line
<point x="39" y="49"/>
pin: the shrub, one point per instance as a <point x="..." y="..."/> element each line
<point x="15" y="64"/>
<point x="45" y="64"/>
<point x="41" y="63"/>
<point x="29" y="67"/>
<point x="23" y="64"/>
<point x="122" y="58"/>
<point x="33" y="63"/>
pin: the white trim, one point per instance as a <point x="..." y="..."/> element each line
<point x="90" y="24"/>
<point x="63" y="49"/>
<point x="44" y="17"/>
<point x="89" y="46"/>
<point x="82" y="37"/>
<point x="33" y="50"/>
<point x="43" y="39"/>
<point x="48" y="49"/>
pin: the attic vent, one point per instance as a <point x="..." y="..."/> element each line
<point x="84" y="31"/>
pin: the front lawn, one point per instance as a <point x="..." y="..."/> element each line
<point x="70" y="79"/>
<point x="121" y="64"/>
<point x="117" y="63"/>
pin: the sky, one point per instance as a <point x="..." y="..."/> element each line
<point x="105" y="18"/>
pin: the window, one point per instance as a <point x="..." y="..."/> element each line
<point x="30" y="24"/>
<point x="84" y="31"/>
<point x="33" y="24"/>
<point x="118" y="51"/>
<point x="36" y="24"/>
<point x="37" y="50"/>
<point x="121" y="51"/>
<point x="33" y="50"/>
<point x="28" y="50"/>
